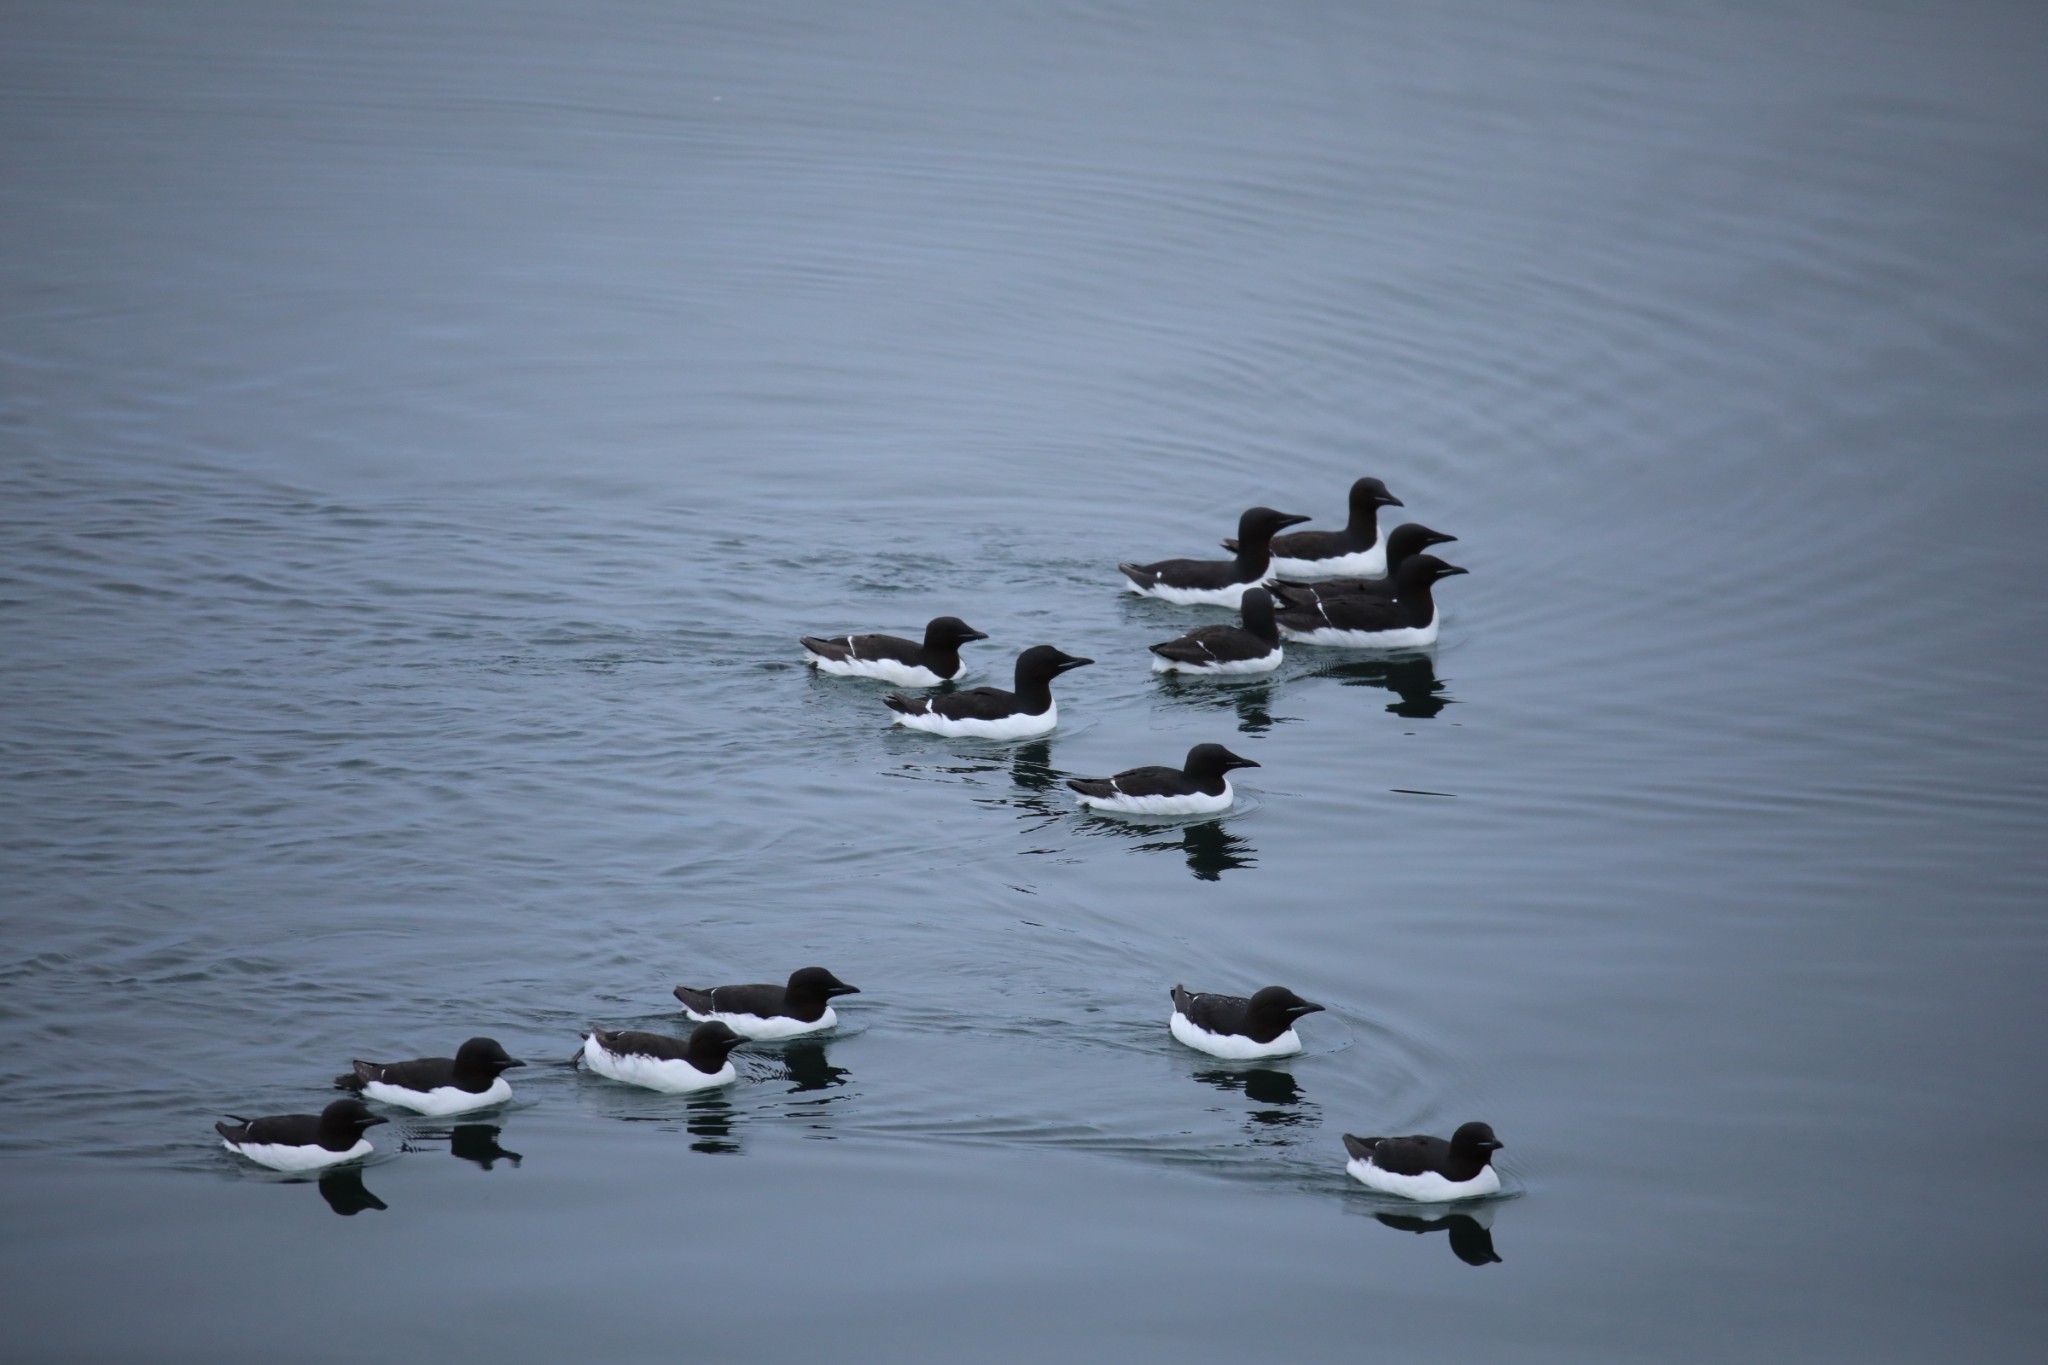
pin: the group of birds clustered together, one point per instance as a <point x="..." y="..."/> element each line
<point x="1349" y="588"/>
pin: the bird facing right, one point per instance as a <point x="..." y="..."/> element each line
<point x="1427" y="1168"/>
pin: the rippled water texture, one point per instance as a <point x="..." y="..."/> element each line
<point x="424" y="432"/>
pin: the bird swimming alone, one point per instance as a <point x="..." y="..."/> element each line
<point x="1357" y="549"/>
<point x="438" y="1086"/>
<point x="1232" y="1027"/>
<point x="1216" y="582"/>
<point x="892" y="658"/>
<point x="1408" y="621"/>
<point x="1404" y="542"/>
<point x="302" y="1142"/>
<point x="655" y="1061"/>
<point x="1428" y="1168"/>
<point x="1253" y="647"/>
<point x="990" y="712"/>
<point x="1197" y="787"/>
<point x="768" y="1012"/>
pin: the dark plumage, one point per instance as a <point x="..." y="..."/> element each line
<point x="474" y="1067"/>
<point x="1360" y="533"/>
<point x="1221" y="582"/>
<point x="1469" y="1151"/>
<point x="1408" y="618"/>
<point x="336" y="1128"/>
<point x="1249" y="648"/>
<point x="1201" y="776"/>
<point x="805" y="998"/>
<point x="1262" y="1018"/>
<point x="896" y="659"/>
<point x="991" y="710"/>
<point x="1471" y="1240"/>
<point x="1404" y="542"/>
<point x="705" y="1049"/>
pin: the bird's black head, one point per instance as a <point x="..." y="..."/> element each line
<point x="1283" y="1001"/>
<point x="350" y="1114"/>
<point x="949" y="632"/>
<point x="1476" y="1139"/>
<point x="1213" y="760"/>
<point x="1412" y="538"/>
<point x="1422" y="570"/>
<point x="1272" y="1011"/>
<point x="1040" y="664"/>
<point x="485" y="1052"/>
<point x="1369" y="495"/>
<point x="1263" y="523"/>
<point x="818" y="982"/>
<point x="711" y="1043"/>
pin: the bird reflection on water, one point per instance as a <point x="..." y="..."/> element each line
<point x="710" y="1122"/>
<point x="478" y="1142"/>
<point x="1411" y="677"/>
<point x="345" y="1193"/>
<point x="1285" y="1106"/>
<point x="1252" y="701"/>
<point x="1211" y="849"/>
<point x="808" y="1067"/>
<point x="1471" y="1233"/>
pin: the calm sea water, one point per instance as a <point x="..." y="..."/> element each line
<point x="424" y="432"/>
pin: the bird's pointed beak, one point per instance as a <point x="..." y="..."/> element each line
<point x="843" y="989"/>
<point x="1306" y="1007"/>
<point x="509" y="1063"/>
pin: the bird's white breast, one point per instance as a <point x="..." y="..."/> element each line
<point x="281" y="1156"/>
<point x="1194" y="803"/>
<point x="653" y="1073"/>
<point x="1198" y="597"/>
<point x="770" y="1027"/>
<point x="1358" y="564"/>
<point x="1231" y="1046"/>
<point x="442" y="1100"/>
<point x="888" y="670"/>
<point x="1429" y="1187"/>
<point x="1265" y="663"/>
<point x="1405" y="637"/>
<point x="1014" y="726"/>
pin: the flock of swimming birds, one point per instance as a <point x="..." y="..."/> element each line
<point x="1349" y="588"/>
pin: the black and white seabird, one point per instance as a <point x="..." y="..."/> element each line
<point x="1357" y="549"/>
<point x="1428" y="1168"/>
<point x="302" y="1142"/>
<point x="1216" y="582"/>
<point x="1359" y="622"/>
<point x="655" y="1061"/>
<point x="1196" y="788"/>
<point x="802" y="1006"/>
<point x="1239" y="1029"/>
<point x="1404" y="542"/>
<point x="1253" y="647"/>
<point x="472" y="1079"/>
<point x="990" y="712"/>
<point x="893" y="658"/>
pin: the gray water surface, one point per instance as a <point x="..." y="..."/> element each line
<point x="424" y="433"/>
